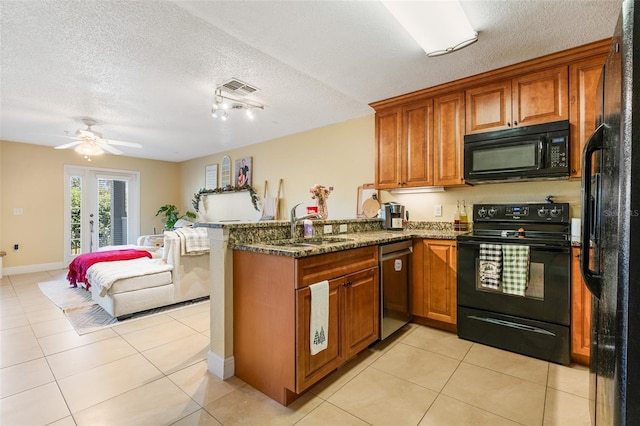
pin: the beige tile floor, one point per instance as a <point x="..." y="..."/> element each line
<point x="153" y="372"/>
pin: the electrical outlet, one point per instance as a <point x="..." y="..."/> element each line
<point x="17" y="211"/>
<point x="328" y="229"/>
<point x="437" y="210"/>
<point x="343" y="227"/>
<point x="16" y="247"/>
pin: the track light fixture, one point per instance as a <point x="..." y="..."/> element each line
<point x="223" y="103"/>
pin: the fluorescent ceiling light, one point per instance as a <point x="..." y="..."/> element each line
<point x="439" y="26"/>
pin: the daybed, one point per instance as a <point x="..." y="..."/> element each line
<point x="176" y="272"/>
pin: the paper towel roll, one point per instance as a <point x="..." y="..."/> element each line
<point x="575" y="229"/>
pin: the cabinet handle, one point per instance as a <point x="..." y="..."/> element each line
<point x="515" y="123"/>
<point x="347" y="284"/>
<point x="509" y="123"/>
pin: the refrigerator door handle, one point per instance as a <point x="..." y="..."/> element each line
<point x="592" y="279"/>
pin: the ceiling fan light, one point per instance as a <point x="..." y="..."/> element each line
<point x="439" y="27"/>
<point x="88" y="149"/>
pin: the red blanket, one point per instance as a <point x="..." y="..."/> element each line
<point x="78" y="266"/>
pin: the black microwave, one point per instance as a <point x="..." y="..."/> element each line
<point x="534" y="152"/>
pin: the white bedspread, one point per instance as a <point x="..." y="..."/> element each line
<point x="104" y="274"/>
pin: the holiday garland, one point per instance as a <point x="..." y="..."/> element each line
<point x="229" y="188"/>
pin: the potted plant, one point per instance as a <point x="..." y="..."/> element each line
<point x="172" y="215"/>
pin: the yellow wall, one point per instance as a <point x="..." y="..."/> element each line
<point x="339" y="155"/>
<point x="32" y="178"/>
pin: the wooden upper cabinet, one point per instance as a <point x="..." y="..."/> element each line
<point x="404" y="146"/>
<point x="417" y="144"/>
<point x="583" y="82"/>
<point x="489" y="107"/>
<point x="533" y="98"/>
<point x="448" y="145"/>
<point x="388" y="153"/>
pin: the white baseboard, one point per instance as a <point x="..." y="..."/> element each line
<point x="15" y="270"/>
<point x="222" y="368"/>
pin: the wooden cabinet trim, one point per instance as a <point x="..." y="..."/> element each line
<point x="505" y="73"/>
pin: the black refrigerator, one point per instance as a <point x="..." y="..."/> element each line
<point x="610" y="252"/>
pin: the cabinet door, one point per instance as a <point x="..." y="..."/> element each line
<point x="583" y="83"/>
<point x="488" y="107"/>
<point x="417" y="144"/>
<point x="440" y="280"/>
<point x="540" y="97"/>
<point x="388" y="152"/>
<point x="448" y="139"/>
<point x="361" y="311"/>
<point x="580" y="313"/>
<point x="417" y="278"/>
<point x="312" y="368"/>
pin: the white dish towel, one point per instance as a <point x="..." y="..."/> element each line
<point x="319" y="324"/>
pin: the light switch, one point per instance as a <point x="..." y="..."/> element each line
<point x="437" y="210"/>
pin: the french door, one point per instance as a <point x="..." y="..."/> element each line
<point x="102" y="208"/>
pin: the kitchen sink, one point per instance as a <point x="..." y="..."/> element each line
<point x="307" y="242"/>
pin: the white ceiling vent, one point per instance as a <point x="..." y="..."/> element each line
<point x="238" y="87"/>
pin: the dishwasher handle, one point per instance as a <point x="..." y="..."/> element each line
<point x="395" y="254"/>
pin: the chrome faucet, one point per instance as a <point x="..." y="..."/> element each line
<point x="295" y="220"/>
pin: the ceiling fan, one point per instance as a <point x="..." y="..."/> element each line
<point x="89" y="142"/>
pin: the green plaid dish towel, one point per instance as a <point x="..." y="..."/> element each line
<point x="515" y="269"/>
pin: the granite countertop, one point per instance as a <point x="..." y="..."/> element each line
<point x="346" y="241"/>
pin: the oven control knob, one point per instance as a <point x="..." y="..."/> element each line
<point x="555" y="212"/>
<point x="493" y="212"/>
<point x="482" y="212"/>
<point x="542" y="212"/>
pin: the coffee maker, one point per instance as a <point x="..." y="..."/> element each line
<point x="392" y="215"/>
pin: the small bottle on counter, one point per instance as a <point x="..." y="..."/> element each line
<point x="464" y="220"/>
<point x="456" y="218"/>
<point x="308" y="228"/>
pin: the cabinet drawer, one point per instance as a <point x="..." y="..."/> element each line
<point x="312" y="269"/>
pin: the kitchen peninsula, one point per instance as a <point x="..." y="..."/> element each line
<point x="257" y="268"/>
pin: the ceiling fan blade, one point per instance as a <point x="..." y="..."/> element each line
<point x="68" y="145"/>
<point x="110" y="149"/>
<point x="121" y="143"/>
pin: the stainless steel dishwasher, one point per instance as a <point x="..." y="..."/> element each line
<point x="395" y="299"/>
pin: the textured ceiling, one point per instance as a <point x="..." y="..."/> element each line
<point x="146" y="71"/>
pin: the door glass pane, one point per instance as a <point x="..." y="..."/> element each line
<point x="112" y="212"/>
<point x="75" y="186"/>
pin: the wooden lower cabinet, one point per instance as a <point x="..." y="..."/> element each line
<point x="580" y="313"/>
<point x="272" y="314"/>
<point x="433" y="283"/>
<point x="353" y="325"/>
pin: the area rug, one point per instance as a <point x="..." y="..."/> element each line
<point x="85" y="315"/>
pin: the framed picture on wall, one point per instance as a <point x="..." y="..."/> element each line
<point x="225" y="171"/>
<point x="244" y="171"/>
<point x="211" y="176"/>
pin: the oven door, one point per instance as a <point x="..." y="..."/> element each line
<point x="547" y="297"/>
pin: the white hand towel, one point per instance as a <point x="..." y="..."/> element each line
<point x="319" y="327"/>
